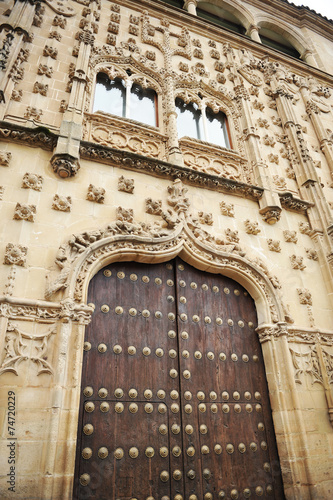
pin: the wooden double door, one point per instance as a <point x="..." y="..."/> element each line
<point x="174" y="400"/>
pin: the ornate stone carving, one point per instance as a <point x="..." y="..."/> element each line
<point x="153" y="207"/>
<point x="183" y="66"/>
<point x="15" y="254"/>
<point x="304" y="228"/>
<point x="125" y="214"/>
<point x="274" y="245"/>
<point x="95" y="194"/>
<point x="258" y="105"/>
<point x="63" y="106"/>
<point x="271" y="332"/>
<point x="21" y="346"/>
<point x="5" y="50"/>
<point x="204" y="157"/>
<point x="227" y="209"/>
<point x="271" y="215"/>
<point x="62" y="203"/>
<point x="231" y="235"/>
<point x="25" y="212"/>
<point x="56" y="35"/>
<point x="177" y="197"/>
<point x="251" y="227"/>
<point x="9" y="286"/>
<point x="273" y="158"/>
<point x="290" y="236"/>
<point x="44" y="69"/>
<point x="269" y="141"/>
<point x="2" y="190"/>
<point x="306" y="363"/>
<point x="50" y="52"/>
<point x="263" y="123"/>
<point x="126" y="185"/>
<point x="311" y="253"/>
<point x="32" y="181"/>
<point x="34" y="113"/>
<point x="280" y="182"/>
<point x="40" y="88"/>
<point x="205" y="218"/>
<point x="297" y="262"/>
<point x="5" y="157"/>
<point x="16" y="95"/>
<point x="60" y="21"/>
<point x="128" y="135"/>
<point x="65" y="165"/>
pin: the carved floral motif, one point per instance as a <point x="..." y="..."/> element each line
<point x="311" y="254"/>
<point x="252" y="227"/>
<point x="153" y="207"/>
<point x="273" y="245"/>
<point x="25" y="212"/>
<point x="305" y="296"/>
<point x="290" y="236"/>
<point x="5" y="157"/>
<point x="297" y="262"/>
<point x="62" y="203"/>
<point x="15" y="254"/>
<point x="126" y="185"/>
<point x="227" y="209"/>
<point x="95" y="194"/>
<point x="205" y="218"/>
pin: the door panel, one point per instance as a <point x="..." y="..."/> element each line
<point x="173" y="386"/>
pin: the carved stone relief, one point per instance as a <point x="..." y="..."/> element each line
<point x="62" y="203"/>
<point x="273" y="245"/>
<point x="290" y="236"/>
<point x="34" y="113"/>
<point x="40" y="88"/>
<point x="306" y="363"/>
<point x="205" y="218"/>
<point x="95" y="194"/>
<point x="5" y="157"/>
<point x="50" y="52"/>
<point x="25" y="212"/>
<point x="227" y="209"/>
<point x="44" y="69"/>
<point x="2" y="190"/>
<point x="231" y="235"/>
<point x="297" y="262"/>
<point x="15" y="254"/>
<point x="153" y="207"/>
<point x="21" y="346"/>
<point x="305" y="296"/>
<point x="311" y="253"/>
<point x="251" y="227"/>
<point x="126" y="185"/>
<point x="125" y="214"/>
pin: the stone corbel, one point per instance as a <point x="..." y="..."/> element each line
<point x="65" y="165"/>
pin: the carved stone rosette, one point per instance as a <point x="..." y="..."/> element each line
<point x="65" y="165"/>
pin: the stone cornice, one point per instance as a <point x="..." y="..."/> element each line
<point x="36" y="137"/>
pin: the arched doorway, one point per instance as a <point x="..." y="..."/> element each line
<point x="174" y="400"/>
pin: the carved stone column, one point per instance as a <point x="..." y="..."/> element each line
<point x="191" y="6"/>
<point x="253" y="33"/>
<point x="270" y="207"/>
<point x="15" y="31"/>
<point x="65" y="161"/>
<point x="306" y="176"/>
<point x="308" y="57"/>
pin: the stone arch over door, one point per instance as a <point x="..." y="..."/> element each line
<point x="204" y="408"/>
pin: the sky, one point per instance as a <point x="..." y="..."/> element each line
<point x="323" y="7"/>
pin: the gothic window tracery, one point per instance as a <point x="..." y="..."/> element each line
<point x="125" y="99"/>
<point x="202" y="123"/>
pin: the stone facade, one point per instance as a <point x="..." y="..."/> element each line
<point x="80" y="189"/>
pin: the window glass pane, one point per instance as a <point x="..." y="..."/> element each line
<point x="189" y="120"/>
<point x="109" y="95"/>
<point x="142" y="105"/>
<point x="216" y="128"/>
